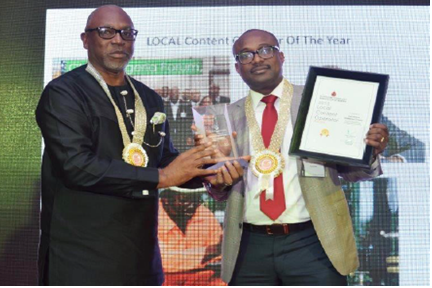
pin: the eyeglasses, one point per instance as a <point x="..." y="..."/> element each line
<point x="247" y="57"/>
<point x="109" y="33"/>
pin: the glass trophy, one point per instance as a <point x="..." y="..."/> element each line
<point x="214" y="124"/>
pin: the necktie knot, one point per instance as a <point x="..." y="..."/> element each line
<point x="269" y="100"/>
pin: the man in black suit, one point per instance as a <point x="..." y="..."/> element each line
<point x="214" y="93"/>
<point x="179" y="114"/>
<point x="105" y="157"/>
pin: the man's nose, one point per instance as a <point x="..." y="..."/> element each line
<point x="256" y="58"/>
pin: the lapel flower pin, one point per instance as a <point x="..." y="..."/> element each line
<point x="158" y="118"/>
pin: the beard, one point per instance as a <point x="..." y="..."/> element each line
<point x="114" y="63"/>
<point x="115" y="66"/>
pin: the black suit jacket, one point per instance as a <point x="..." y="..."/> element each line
<point x="180" y="128"/>
<point x="404" y="144"/>
<point x="98" y="227"/>
<point x="222" y="99"/>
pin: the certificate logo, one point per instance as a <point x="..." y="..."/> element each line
<point x="324" y="132"/>
<point x="349" y="137"/>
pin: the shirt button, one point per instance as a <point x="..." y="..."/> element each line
<point x="145" y="192"/>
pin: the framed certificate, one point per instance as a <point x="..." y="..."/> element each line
<point x="335" y="113"/>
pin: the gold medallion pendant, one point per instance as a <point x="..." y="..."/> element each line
<point x="267" y="162"/>
<point x="135" y="155"/>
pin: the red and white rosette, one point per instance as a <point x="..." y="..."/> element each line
<point x="267" y="165"/>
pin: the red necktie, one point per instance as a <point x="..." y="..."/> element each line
<point x="272" y="208"/>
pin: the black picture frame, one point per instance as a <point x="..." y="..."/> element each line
<point x="381" y="79"/>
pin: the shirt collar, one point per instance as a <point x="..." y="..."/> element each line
<point x="256" y="96"/>
<point x="175" y="104"/>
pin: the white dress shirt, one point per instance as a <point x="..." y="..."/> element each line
<point x="175" y="107"/>
<point x="295" y="205"/>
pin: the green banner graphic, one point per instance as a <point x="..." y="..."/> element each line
<point x="140" y="67"/>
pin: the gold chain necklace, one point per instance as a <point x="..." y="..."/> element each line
<point x="133" y="152"/>
<point x="268" y="163"/>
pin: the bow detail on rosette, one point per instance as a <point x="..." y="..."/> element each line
<point x="267" y="166"/>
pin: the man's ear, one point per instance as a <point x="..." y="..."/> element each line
<point x="237" y="67"/>
<point x="282" y="57"/>
<point x="84" y="39"/>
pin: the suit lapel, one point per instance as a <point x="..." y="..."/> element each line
<point x="238" y="118"/>
<point x="311" y="187"/>
<point x="295" y="104"/>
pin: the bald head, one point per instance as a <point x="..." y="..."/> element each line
<point x="104" y="10"/>
<point x="241" y="39"/>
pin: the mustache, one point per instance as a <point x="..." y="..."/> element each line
<point x="257" y="67"/>
<point x="119" y="51"/>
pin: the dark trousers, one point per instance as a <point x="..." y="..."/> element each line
<point x="294" y="259"/>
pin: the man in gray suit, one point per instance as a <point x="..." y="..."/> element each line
<point x="295" y="229"/>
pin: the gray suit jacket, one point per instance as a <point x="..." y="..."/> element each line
<point x="324" y="198"/>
